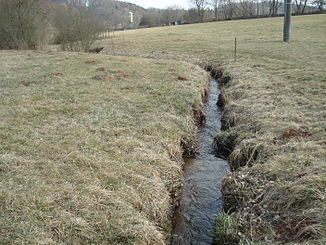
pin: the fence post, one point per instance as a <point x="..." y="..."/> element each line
<point x="235" y="49"/>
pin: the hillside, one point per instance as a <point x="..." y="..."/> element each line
<point x="113" y="13"/>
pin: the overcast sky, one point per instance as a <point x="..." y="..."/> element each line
<point x="159" y="3"/>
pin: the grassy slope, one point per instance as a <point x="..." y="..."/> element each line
<point x="277" y="102"/>
<point x="87" y="159"/>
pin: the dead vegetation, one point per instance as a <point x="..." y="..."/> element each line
<point x="274" y="118"/>
<point x="277" y="192"/>
<point x="86" y="161"/>
<point x="96" y="160"/>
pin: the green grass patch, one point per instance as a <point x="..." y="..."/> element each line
<point x="226" y="230"/>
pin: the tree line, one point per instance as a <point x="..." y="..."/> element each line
<point x="30" y="24"/>
<point x="72" y="24"/>
<point x="208" y="10"/>
<point x="75" y="24"/>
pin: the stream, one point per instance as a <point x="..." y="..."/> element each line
<point x="201" y="196"/>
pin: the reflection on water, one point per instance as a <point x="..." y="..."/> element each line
<point x="201" y="197"/>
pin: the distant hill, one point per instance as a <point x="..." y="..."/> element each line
<point x="113" y="13"/>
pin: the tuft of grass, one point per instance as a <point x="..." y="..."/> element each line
<point x="226" y="230"/>
<point x="225" y="141"/>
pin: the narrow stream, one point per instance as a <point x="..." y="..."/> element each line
<point x="201" y="197"/>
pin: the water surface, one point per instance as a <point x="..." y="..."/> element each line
<point x="201" y="197"/>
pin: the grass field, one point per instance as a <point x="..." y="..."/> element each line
<point x="90" y="146"/>
<point x="276" y="109"/>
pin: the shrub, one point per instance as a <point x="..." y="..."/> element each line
<point x="22" y="24"/>
<point x="77" y="28"/>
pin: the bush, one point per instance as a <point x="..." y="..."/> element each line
<point x="77" y="28"/>
<point x="22" y="24"/>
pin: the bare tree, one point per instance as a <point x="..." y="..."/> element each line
<point x="172" y="14"/>
<point x="300" y="6"/>
<point x="152" y="17"/>
<point x="246" y="8"/>
<point x="228" y="8"/>
<point x="191" y="15"/>
<point x="320" y="4"/>
<point x="22" y="24"/>
<point x="77" y="28"/>
<point x="214" y="4"/>
<point x="201" y="7"/>
<point x="274" y="5"/>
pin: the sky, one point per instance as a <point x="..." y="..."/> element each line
<point x="159" y="3"/>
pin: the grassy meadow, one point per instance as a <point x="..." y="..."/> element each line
<point x="274" y="110"/>
<point x="90" y="146"/>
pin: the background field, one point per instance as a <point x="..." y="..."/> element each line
<point x="276" y="106"/>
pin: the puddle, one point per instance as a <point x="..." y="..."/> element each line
<point x="201" y="197"/>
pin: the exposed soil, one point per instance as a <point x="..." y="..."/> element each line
<point x="101" y="69"/>
<point x="56" y="74"/>
<point x="92" y="62"/>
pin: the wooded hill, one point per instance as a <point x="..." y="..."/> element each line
<point x="113" y="13"/>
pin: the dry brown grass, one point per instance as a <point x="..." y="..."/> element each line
<point x="90" y="156"/>
<point x="276" y="89"/>
<point x="91" y="161"/>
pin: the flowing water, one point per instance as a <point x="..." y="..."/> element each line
<point x="201" y="197"/>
